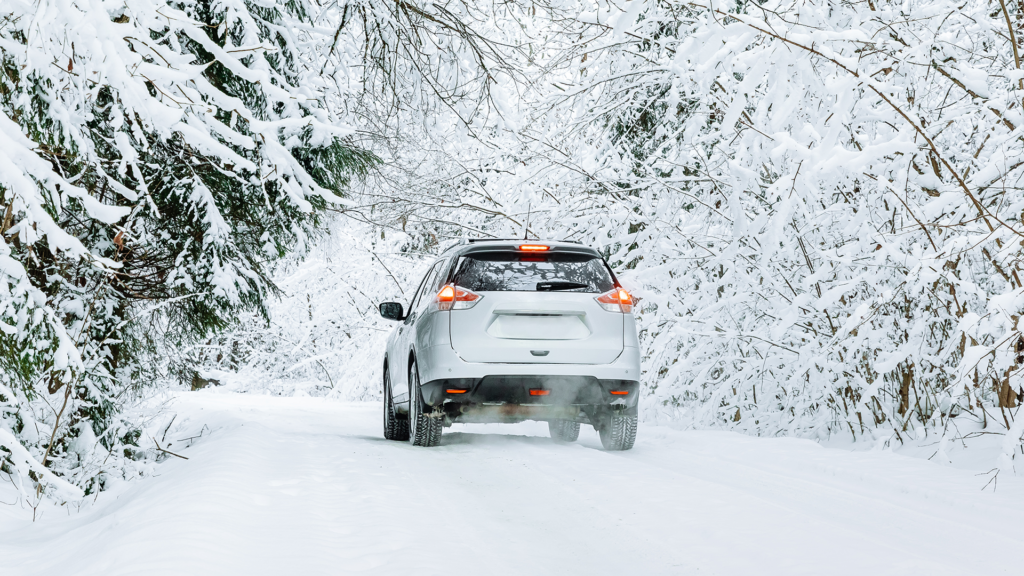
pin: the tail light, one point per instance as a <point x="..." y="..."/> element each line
<point x="452" y="297"/>
<point x="617" y="300"/>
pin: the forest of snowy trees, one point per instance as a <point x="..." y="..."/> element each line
<point x="818" y="202"/>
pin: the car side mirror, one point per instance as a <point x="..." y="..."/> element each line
<point x="391" y="310"/>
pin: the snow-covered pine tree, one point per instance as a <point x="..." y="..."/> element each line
<point x="155" y="159"/>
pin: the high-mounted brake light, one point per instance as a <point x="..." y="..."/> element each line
<point x="617" y="300"/>
<point x="534" y="248"/>
<point x="619" y="392"/>
<point x="536" y="392"/>
<point x="462" y="391"/>
<point x="454" y="298"/>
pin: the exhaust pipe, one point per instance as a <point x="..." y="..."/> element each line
<point x="512" y="413"/>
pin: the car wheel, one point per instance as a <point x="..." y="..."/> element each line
<point x="618" y="432"/>
<point x="564" y="430"/>
<point x="395" y="428"/>
<point x="424" y="429"/>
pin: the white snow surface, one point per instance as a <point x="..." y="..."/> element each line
<point x="308" y="486"/>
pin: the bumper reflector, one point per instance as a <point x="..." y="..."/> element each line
<point x="620" y="392"/>
<point x="455" y="391"/>
<point x="539" y="392"/>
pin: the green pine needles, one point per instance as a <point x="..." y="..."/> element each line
<point x="149" y="184"/>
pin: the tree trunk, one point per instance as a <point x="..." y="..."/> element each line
<point x="1007" y="395"/>
<point x="908" y="377"/>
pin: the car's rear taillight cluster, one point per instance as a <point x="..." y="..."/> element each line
<point x="452" y="297"/>
<point x="617" y="300"/>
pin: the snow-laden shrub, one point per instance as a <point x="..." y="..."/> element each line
<point x="324" y="335"/>
<point x="156" y="157"/>
<point x="820" y="203"/>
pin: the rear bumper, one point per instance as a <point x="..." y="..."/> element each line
<point x="442" y="362"/>
<point x="532" y="390"/>
<point x="496" y="392"/>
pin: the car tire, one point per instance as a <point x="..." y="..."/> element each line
<point x="395" y="428"/>
<point x="424" y="429"/>
<point x="564" y="430"/>
<point x="618" y="432"/>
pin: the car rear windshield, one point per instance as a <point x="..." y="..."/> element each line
<point x="514" y="272"/>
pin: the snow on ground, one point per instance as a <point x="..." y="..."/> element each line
<point x="308" y="486"/>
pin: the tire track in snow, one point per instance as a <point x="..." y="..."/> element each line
<point x="300" y="485"/>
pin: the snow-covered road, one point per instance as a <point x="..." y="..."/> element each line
<point x="308" y="486"/>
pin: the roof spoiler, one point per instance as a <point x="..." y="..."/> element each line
<point x="475" y="240"/>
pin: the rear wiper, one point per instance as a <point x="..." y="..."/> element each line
<point x="549" y="286"/>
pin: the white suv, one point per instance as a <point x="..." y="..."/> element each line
<point x="513" y="330"/>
